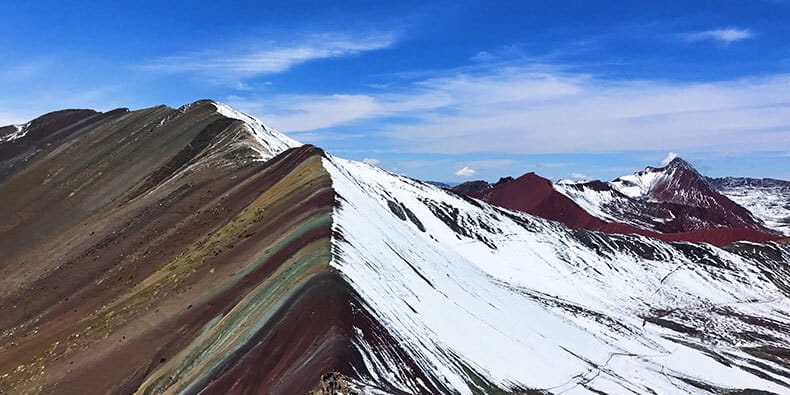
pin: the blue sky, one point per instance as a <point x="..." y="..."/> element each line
<point x="443" y="91"/>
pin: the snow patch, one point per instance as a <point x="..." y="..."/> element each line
<point x="19" y="132"/>
<point x="592" y="201"/>
<point x="638" y="185"/>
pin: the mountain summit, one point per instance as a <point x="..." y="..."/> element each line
<point x="670" y="199"/>
<point x="678" y="163"/>
<point x="600" y="206"/>
<point x="194" y="250"/>
<point x="678" y="181"/>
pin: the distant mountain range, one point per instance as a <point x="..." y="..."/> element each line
<point x="766" y="198"/>
<point x="196" y="250"/>
<point x="671" y="203"/>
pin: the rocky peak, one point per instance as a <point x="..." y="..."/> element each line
<point x="680" y="163"/>
<point x="472" y="188"/>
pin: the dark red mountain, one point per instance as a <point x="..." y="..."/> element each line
<point x="536" y="195"/>
<point x="680" y="199"/>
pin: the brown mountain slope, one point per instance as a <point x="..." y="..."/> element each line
<point x="149" y="251"/>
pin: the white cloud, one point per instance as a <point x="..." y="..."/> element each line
<point x="466" y="172"/>
<point x="580" y="177"/>
<point x="303" y="113"/>
<point x="535" y="110"/>
<point x="269" y="57"/>
<point x="726" y="35"/>
<point x="320" y="112"/>
<point x="371" y="161"/>
<point x="522" y="112"/>
<point x="669" y="158"/>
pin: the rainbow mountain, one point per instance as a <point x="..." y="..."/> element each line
<point x="196" y="250"/>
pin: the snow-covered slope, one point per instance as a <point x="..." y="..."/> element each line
<point x="638" y="185"/>
<point x="484" y="298"/>
<point x="609" y="204"/>
<point x="591" y="200"/>
<point x="767" y="199"/>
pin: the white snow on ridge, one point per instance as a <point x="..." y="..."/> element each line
<point x="531" y="305"/>
<point x="610" y="205"/>
<point x="271" y="140"/>
<point x="638" y="185"/>
<point x="590" y="200"/>
<point x="566" y="181"/>
<point x="21" y="131"/>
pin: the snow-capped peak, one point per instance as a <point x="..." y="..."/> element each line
<point x="679" y="163"/>
<point x="641" y="184"/>
<point x="272" y="140"/>
<point x="669" y="199"/>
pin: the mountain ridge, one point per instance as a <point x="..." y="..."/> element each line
<point x="234" y="273"/>
<point x="579" y="205"/>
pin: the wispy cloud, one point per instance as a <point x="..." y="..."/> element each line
<point x="521" y="110"/>
<point x="517" y="111"/>
<point x="371" y="161"/>
<point x="580" y="177"/>
<point x="305" y="113"/>
<point x="724" y="35"/>
<point x="670" y="156"/>
<point x="269" y="57"/>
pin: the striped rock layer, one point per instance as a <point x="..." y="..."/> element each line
<point x="152" y="250"/>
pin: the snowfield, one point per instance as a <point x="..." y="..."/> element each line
<point x="612" y="205"/>
<point x="484" y="298"/>
<point x="770" y="204"/>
